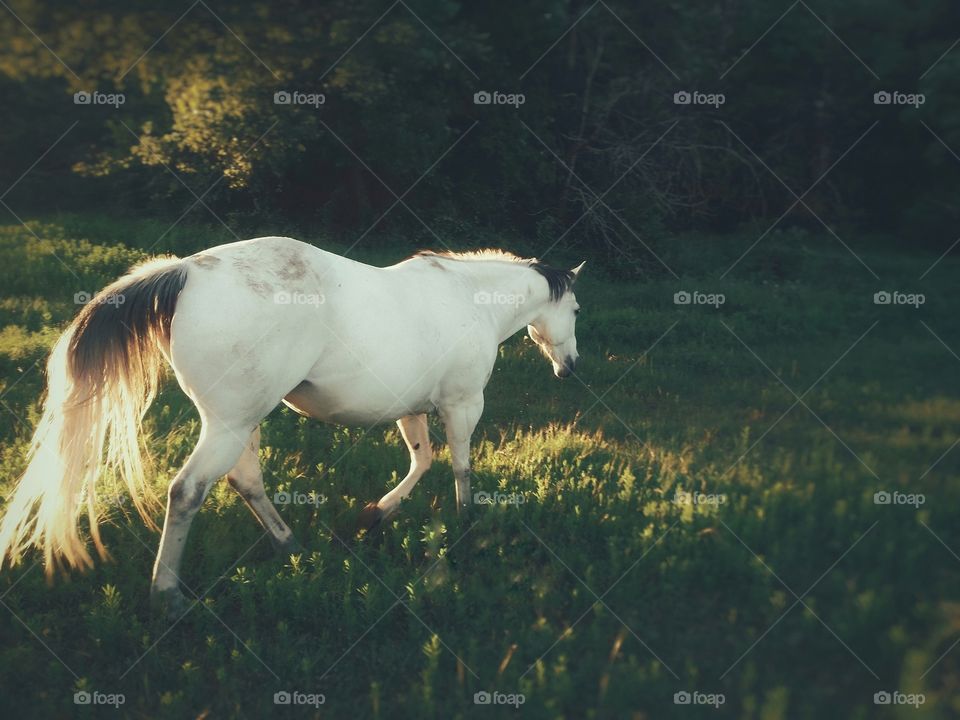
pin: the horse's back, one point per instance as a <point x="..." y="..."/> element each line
<point x="263" y="317"/>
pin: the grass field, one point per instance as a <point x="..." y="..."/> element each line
<point x="785" y="589"/>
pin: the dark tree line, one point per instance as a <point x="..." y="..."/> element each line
<point x="599" y="139"/>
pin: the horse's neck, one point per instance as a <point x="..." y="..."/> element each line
<point x="517" y="294"/>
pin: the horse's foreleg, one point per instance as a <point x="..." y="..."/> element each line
<point x="416" y="434"/>
<point x="214" y="455"/>
<point x="246" y="478"/>
<point x="459" y="420"/>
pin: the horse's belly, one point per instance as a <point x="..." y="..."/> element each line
<point x="352" y="406"/>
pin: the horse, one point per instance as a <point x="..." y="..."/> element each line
<point x="248" y="325"/>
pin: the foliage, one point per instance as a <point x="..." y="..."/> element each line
<point x="512" y="591"/>
<point x="399" y="80"/>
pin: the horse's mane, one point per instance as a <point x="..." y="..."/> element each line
<point x="558" y="279"/>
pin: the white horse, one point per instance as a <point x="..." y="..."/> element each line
<point x="246" y="326"/>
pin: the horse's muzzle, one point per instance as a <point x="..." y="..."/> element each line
<point x="567" y="368"/>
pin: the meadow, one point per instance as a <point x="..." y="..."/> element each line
<point x="695" y="512"/>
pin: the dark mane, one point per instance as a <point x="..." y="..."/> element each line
<point x="558" y="280"/>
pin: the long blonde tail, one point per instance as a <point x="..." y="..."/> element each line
<point x="102" y="376"/>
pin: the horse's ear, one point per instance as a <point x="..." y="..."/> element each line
<point x="576" y="271"/>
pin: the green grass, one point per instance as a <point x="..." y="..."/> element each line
<point x="507" y="598"/>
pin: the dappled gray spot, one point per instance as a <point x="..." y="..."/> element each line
<point x="294" y="267"/>
<point x="253" y="277"/>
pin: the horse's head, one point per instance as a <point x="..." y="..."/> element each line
<point x="554" y="329"/>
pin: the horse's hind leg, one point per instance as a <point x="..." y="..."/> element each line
<point x="216" y="452"/>
<point x="246" y="478"/>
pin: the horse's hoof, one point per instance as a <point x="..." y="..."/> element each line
<point x="169" y="603"/>
<point x="370" y="518"/>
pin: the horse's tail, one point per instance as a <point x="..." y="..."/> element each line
<point x="102" y="375"/>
